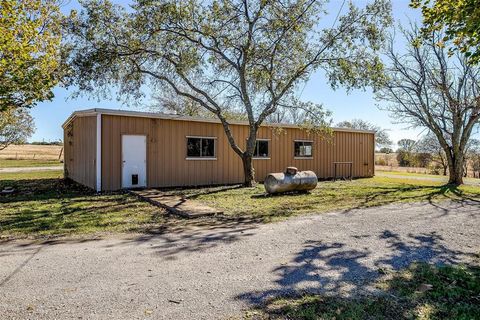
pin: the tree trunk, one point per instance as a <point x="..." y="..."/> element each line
<point x="444" y="162"/>
<point x="456" y="171"/>
<point x="248" y="170"/>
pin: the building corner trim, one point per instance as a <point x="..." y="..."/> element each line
<point x="99" y="154"/>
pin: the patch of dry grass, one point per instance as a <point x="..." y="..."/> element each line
<point x="31" y="152"/>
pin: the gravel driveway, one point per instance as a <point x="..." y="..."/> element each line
<point x="218" y="272"/>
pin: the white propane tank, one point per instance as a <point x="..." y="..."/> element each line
<point x="290" y="180"/>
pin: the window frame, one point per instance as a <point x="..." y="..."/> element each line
<point x="303" y="157"/>
<point x="269" y="151"/>
<point x="187" y="157"/>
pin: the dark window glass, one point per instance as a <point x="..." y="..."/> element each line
<point x="200" y="147"/>
<point x="208" y="148"/>
<point x="193" y="147"/>
<point x="303" y="149"/>
<point x="261" y="149"/>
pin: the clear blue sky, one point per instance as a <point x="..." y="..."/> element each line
<point x="50" y="115"/>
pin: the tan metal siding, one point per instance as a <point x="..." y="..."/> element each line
<point x="80" y="150"/>
<point x="166" y="147"/>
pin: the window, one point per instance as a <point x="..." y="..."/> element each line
<point x="261" y="149"/>
<point x="200" y="147"/>
<point x="303" y="149"/>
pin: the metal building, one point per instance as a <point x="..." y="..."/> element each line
<point x="114" y="149"/>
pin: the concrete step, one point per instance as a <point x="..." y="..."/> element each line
<point x="176" y="204"/>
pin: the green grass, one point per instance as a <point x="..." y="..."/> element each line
<point x="7" y="163"/>
<point x="44" y="205"/>
<point x="454" y="294"/>
<point x="412" y="174"/>
<point x="424" y="175"/>
<point x="12" y="178"/>
<point x="328" y="196"/>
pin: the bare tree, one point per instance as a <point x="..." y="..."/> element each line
<point x="382" y="139"/>
<point x="471" y="155"/>
<point x="427" y="88"/>
<point x="474" y="158"/>
<point x="302" y="113"/>
<point x="429" y="144"/>
<point x="249" y="56"/>
<point x="407" y="145"/>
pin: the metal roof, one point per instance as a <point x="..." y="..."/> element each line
<point x="166" y="116"/>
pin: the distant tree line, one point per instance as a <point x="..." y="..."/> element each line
<point x="428" y="153"/>
<point x="46" y="143"/>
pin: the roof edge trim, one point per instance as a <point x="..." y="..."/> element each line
<point x="165" y="116"/>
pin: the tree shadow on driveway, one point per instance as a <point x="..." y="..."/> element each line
<point x="434" y="195"/>
<point x="197" y="236"/>
<point x="335" y="268"/>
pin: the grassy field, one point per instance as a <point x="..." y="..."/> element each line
<point x="45" y="205"/>
<point x="473" y="181"/>
<point x="31" y="152"/>
<point x="7" y="163"/>
<point x="411" y="174"/>
<point x="420" y="292"/>
<point x="328" y="196"/>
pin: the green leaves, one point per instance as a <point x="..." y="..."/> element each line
<point x="460" y="21"/>
<point x="247" y="55"/>
<point x="30" y="53"/>
<point x="16" y="126"/>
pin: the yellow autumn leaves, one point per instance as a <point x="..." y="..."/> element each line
<point x="29" y="51"/>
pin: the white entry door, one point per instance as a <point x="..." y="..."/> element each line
<point x="134" y="161"/>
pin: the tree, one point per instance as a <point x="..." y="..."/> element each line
<point x="404" y="158"/>
<point x="471" y="155"/>
<point x="247" y="56"/>
<point x="405" y="152"/>
<point x="302" y="113"/>
<point x="386" y="150"/>
<point x="16" y="126"/>
<point x="426" y="88"/>
<point x="29" y="52"/>
<point x="406" y="144"/>
<point x="169" y="102"/>
<point x="422" y="159"/>
<point x="475" y="161"/>
<point x="459" y="19"/>
<point x="382" y="139"/>
<point x="429" y="144"/>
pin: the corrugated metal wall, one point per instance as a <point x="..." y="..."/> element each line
<point x="80" y="150"/>
<point x="166" y="152"/>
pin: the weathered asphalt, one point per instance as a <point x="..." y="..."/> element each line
<point x="217" y="272"/>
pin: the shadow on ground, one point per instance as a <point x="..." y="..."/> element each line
<point x="433" y="194"/>
<point x="319" y="267"/>
<point x="420" y="291"/>
<point x="336" y="268"/>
